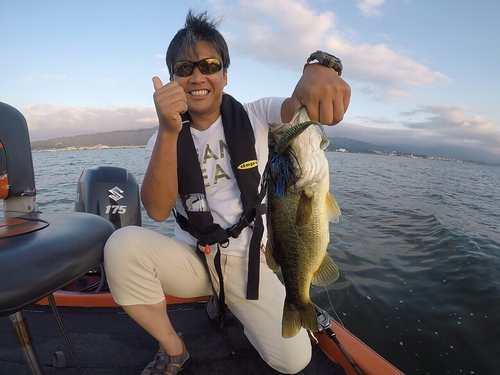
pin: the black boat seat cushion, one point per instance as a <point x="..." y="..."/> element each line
<point x="36" y="264"/>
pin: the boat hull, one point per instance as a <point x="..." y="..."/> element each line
<point x="370" y="362"/>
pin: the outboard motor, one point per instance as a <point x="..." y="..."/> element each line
<point x="110" y="192"/>
<point x="113" y="193"/>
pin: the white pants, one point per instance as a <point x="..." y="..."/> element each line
<point x="143" y="265"/>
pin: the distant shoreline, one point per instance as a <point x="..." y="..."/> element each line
<point x="79" y="148"/>
<point x="341" y="150"/>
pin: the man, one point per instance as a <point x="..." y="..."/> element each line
<point x="194" y="172"/>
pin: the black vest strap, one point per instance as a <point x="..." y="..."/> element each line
<point x="241" y="145"/>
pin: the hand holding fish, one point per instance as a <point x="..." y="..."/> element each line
<point x="170" y="102"/>
<point x="323" y="92"/>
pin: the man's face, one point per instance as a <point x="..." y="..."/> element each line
<point x="204" y="92"/>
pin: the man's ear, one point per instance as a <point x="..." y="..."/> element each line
<point x="171" y="77"/>
<point x="224" y="75"/>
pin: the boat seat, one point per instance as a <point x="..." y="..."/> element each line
<point x="39" y="252"/>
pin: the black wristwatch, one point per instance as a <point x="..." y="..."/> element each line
<point x="327" y="60"/>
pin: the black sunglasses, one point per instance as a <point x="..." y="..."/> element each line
<point x="185" y="68"/>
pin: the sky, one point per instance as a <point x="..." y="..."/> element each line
<point x="422" y="72"/>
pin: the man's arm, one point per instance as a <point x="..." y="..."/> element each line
<point x="159" y="187"/>
<point x="323" y="92"/>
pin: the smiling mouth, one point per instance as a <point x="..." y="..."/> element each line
<point x="199" y="92"/>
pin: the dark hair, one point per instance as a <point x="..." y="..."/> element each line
<point x="198" y="28"/>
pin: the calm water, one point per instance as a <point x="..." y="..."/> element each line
<point x="418" y="246"/>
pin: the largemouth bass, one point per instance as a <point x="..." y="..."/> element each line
<point x="299" y="208"/>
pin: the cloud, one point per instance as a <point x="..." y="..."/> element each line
<point x="375" y="119"/>
<point x="283" y="33"/>
<point x="53" y="77"/>
<point x="382" y="72"/>
<point x="47" y="121"/>
<point x="46" y="77"/>
<point x="468" y="131"/>
<point x="370" y="8"/>
<point x="379" y="134"/>
<point x="458" y="125"/>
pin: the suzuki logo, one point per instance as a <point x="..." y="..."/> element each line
<point x="116" y="193"/>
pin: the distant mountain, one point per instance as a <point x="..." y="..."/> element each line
<point x="456" y="152"/>
<point x="442" y="151"/>
<point x="352" y="145"/>
<point x="137" y="138"/>
<point x="112" y="139"/>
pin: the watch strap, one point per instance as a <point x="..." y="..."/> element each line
<point x="327" y="60"/>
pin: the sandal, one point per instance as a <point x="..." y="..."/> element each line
<point x="164" y="364"/>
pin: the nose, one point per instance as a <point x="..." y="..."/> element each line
<point x="197" y="76"/>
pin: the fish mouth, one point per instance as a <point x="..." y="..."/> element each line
<point x="291" y="133"/>
<point x="280" y="168"/>
<point x="298" y="129"/>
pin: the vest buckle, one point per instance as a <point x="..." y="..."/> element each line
<point x="235" y="230"/>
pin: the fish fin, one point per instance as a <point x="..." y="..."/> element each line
<point x="270" y="259"/>
<point x="297" y="316"/>
<point x="332" y="209"/>
<point x="327" y="273"/>
<point x="304" y="209"/>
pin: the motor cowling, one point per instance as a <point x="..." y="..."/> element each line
<point x="110" y="192"/>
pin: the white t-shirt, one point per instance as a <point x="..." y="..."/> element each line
<point x="222" y="191"/>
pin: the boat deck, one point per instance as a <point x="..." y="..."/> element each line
<point x="107" y="341"/>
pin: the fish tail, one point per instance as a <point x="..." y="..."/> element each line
<point x="296" y="316"/>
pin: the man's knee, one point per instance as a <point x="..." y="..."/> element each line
<point x="295" y="356"/>
<point x="122" y="242"/>
<point x="292" y="364"/>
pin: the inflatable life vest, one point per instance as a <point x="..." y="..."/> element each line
<point x="199" y="222"/>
